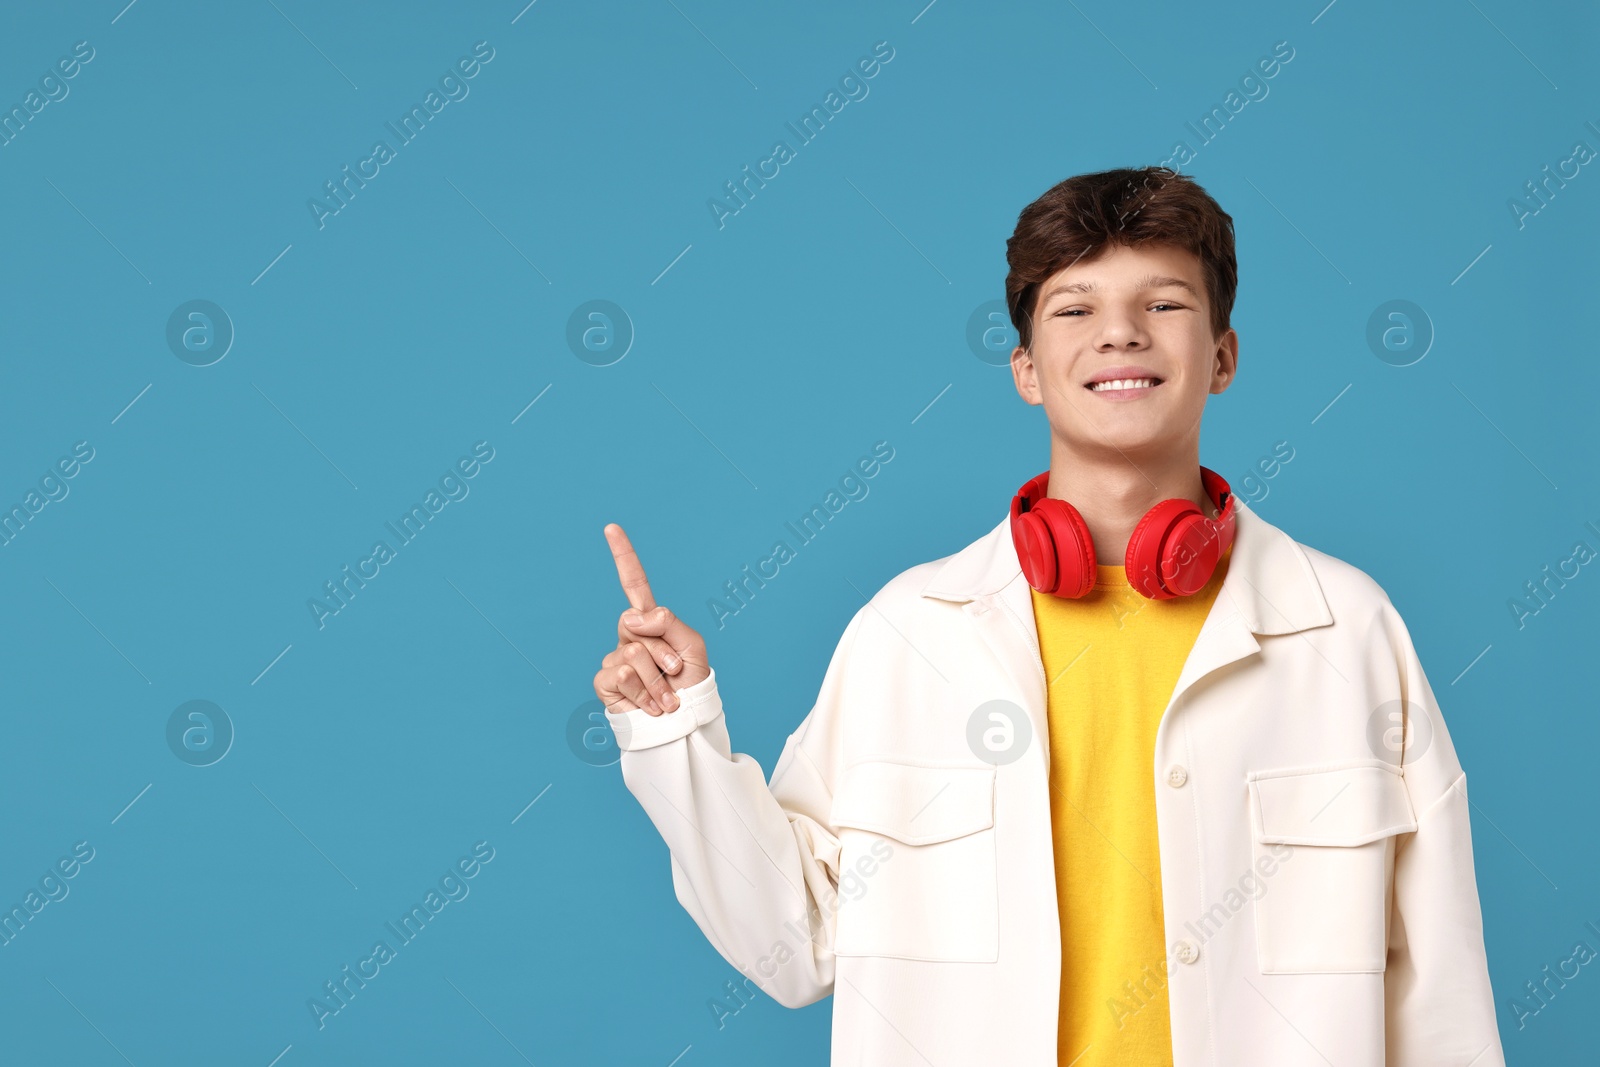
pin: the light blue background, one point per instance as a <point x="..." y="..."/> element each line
<point x="825" y="316"/>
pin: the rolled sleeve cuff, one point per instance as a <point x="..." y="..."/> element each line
<point x="698" y="704"/>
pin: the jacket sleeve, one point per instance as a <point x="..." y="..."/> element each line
<point x="1439" y="1004"/>
<point x="755" y="865"/>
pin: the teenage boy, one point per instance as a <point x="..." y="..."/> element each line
<point x="1134" y="778"/>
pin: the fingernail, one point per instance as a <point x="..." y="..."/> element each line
<point x="669" y="701"/>
<point x="632" y="617"/>
<point x="672" y="662"/>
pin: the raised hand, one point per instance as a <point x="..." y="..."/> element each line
<point x="656" y="651"/>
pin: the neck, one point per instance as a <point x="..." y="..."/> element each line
<point x="1113" y="492"/>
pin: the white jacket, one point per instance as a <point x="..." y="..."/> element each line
<point x="1318" y="890"/>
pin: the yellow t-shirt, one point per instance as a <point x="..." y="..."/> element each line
<point x="1112" y="660"/>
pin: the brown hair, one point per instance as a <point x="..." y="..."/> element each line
<point x="1082" y="217"/>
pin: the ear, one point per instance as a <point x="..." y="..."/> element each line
<point x="1225" y="362"/>
<point x="1026" y="375"/>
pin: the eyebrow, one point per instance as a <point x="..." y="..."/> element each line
<point x="1149" y="281"/>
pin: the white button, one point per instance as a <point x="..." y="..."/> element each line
<point x="1176" y="775"/>
<point x="1187" y="952"/>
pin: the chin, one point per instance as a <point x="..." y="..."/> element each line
<point x="1117" y="440"/>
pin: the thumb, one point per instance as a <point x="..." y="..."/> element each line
<point x="660" y="622"/>
<point x="652" y="623"/>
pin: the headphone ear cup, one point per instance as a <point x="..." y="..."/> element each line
<point x="1035" y="551"/>
<point x="1193" y="549"/>
<point x="1072" y="554"/>
<point x="1149" y="568"/>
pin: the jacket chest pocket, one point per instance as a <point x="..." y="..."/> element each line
<point x="1330" y="831"/>
<point x="917" y="861"/>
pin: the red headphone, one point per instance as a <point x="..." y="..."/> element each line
<point x="1173" y="551"/>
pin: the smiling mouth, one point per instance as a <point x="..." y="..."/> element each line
<point x="1121" y="385"/>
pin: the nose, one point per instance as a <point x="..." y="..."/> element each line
<point x="1120" y="332"/>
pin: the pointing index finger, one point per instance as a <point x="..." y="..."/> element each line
<point x="629" y="570"/>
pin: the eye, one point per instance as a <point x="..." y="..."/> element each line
<point x="1069" y="311"/>
<point x="1168" y="303"/>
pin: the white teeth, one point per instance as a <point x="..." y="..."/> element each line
<point x="1124" y="383"/>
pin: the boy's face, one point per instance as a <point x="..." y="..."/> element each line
<point x="1126" y="314"/>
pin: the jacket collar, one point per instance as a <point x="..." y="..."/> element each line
<point x="1269" y="583"/>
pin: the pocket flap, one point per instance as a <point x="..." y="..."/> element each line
<point x="1346" y="804"/>
<point x="913" y="802"/>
